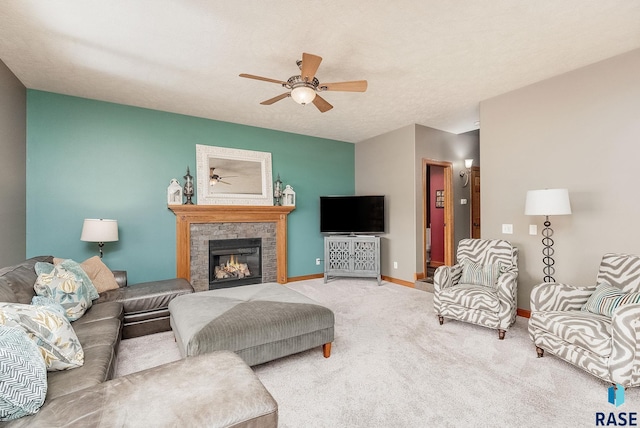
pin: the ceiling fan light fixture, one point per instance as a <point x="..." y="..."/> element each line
<point x="303" y="94"/>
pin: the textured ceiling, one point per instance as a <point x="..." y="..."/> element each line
<point x="428" y="62"/>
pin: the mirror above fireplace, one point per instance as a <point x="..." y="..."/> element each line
<point x="228" y="176"/>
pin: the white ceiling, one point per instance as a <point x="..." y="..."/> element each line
<point x="428" y="62"/>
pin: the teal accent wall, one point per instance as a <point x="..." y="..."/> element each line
<point x="93" y="159"/>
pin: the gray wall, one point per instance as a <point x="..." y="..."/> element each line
<point x="13" y="111"/>
<point x="385" y="166"/>
<point x="581" y="131"/>
<point x="391" y="164"/>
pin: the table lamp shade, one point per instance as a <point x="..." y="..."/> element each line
<point x="99" y="230"/>
<point x="547" y="202"/>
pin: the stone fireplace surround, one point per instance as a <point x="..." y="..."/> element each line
<point x="194" y="226"/>
<point x="202" y="233"/>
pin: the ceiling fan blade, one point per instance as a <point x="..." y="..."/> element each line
<point x="265" y="79"/>
<point x="322" y="104"/>
<point x="353" y="86"/>
<point x="223" y="182"/>
<point x="274" y="99"/>
<point x="310" y="64"/>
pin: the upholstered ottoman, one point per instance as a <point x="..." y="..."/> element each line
<point x="259" y="322"/>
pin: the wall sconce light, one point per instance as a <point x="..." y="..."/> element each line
<point x="466" y="173"/>
<point x="547" y="202"/>
<point x="99" y="230"/>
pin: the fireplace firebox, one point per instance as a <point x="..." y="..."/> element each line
<point x="235" y="262"/>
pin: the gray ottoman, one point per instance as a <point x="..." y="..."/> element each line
<point x="258" y="322"/>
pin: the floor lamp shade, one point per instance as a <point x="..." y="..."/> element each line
<point x="547" y="202"/>
<point x="99" y="230"/>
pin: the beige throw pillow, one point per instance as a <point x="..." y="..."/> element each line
<point x="99" y="274"/>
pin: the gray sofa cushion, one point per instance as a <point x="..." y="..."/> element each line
<point x="107" y="310"/>
<point x="213" y="390"/>
<point x="20" y="279"/>
<point x="146" y="305"/>
<point x="99" y="332"/>
<point x="99" y="366"/>
<point x="147" y="296"/>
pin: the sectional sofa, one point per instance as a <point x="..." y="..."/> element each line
<point x="216" y="389"/>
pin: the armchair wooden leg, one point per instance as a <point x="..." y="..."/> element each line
<point x="501" y="334"/>
<point x="440" y="319"/>
<point x="540" y="352"/>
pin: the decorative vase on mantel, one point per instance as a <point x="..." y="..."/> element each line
<point x="188" y="187"/>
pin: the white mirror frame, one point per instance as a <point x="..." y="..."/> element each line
<point x="203" y="156"/>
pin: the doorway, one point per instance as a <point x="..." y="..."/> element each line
<point x="437" y="215"/>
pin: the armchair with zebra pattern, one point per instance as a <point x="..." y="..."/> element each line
<point x="481" y="288"/>
<point x="596" y="328"/>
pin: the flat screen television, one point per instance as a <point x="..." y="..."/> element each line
<point x="352" y="214"/>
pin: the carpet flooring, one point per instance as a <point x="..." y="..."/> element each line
<point x="393" y="365"/>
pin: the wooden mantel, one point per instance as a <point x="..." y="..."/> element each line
<point x="188" y="214"/>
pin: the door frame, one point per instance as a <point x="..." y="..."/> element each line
<point x="475" y="202"/>
<point x="448" y="212"/>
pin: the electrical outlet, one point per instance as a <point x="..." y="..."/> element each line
<point x="318" y="261"/>
<point x="395" y="265"/>
<point x="533" y="229"/>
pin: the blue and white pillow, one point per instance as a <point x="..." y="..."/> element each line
<point x="49" y="303"/>
<point x="63" y="287"/>
<point x="607" y="298"/>
<point x="23" y="375"/>
<point x="75" y="268"/>
<point x="49" y="330"/>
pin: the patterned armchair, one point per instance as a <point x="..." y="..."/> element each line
<point x="595" y="328"/>
<point x="481" y="288"/>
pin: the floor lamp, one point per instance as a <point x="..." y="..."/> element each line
<point x="548" y="202"/>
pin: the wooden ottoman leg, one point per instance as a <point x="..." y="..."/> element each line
<point x="326" y="350"/>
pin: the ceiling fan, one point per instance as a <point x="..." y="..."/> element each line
<point x="215" y="178"/>
<point x="304" y="88"/>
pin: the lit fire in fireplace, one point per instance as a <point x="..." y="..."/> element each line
<point x="232" y="269"/>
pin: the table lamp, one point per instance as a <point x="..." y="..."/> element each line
<point x="99" y="230"/>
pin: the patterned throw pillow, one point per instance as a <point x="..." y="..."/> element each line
<point x="49" y="303"/>
<point x="63" y="287"/>
<point x="73" y="267"/>
<point x="478" y="274"/>
<point x="607" y="298"/>
<point x="50" y="330"/>
<point x="23" y="373"/>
